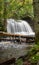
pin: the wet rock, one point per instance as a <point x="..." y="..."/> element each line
<point x="9" y="50"/>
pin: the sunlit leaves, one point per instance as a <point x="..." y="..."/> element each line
<point x="15" y="7"/>
<point x="22" y="7"/>
<point x="35" y="54"/>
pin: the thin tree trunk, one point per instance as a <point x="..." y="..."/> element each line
<point x="36" y="19"/>
<point x="5" y="15"/>
<point x="36" y="15"/>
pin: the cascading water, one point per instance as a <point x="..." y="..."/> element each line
<point x="9" y="49"/>
<point x="19" y="27"/>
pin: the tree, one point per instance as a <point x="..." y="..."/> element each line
<point x="15" y="9"/>
<point x="5" y="14"/>
<point x="36" y="15"/>
<point x="1" y="15"/>
<point x="36" y="19"/>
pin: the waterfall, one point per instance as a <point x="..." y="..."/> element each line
<point x="19" y="27"/>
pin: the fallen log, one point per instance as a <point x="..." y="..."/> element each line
<point x="16" y="37"/>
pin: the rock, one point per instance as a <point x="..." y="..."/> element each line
<point x="9" y="50"/>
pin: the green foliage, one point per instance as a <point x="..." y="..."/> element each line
<point x="35" y="54"/>
<point x="1" y="26"/>
<point x="19" y="62"/>
<point x="35" y="58"/>
<point x="22" y="8"/>
<point x="16" y="8"/>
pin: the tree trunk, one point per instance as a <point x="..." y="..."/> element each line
<point x="36" y="15"/>
<point x="5" y="15"/>
<point x="36" y="19"/>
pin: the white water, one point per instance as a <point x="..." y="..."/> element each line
<point x="19" y="27"/>
<point x="9" y="49"/>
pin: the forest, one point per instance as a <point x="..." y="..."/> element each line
<point x="19" y="9"/>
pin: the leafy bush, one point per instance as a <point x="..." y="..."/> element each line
<point x="35" y="54"/>
<point x="1" y="26"/>
<point x="19" y="62"/>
